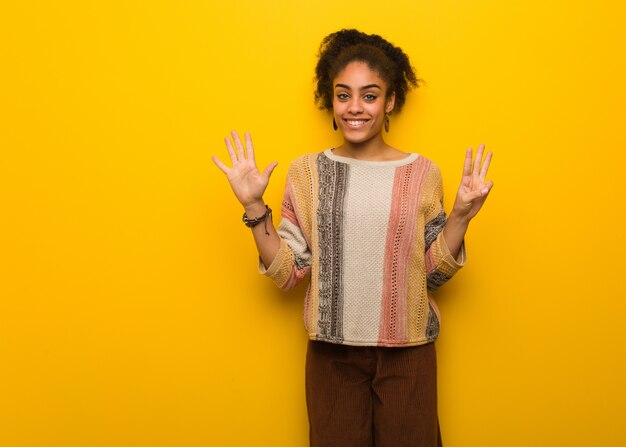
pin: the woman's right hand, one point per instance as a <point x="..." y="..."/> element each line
<point x="246" y="181"/>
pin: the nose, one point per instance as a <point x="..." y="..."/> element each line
<point x="355" y="106"/>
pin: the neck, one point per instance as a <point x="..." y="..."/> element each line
<point x="374" y="149"/>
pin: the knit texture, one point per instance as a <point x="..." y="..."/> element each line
<point x="370" y="235"/>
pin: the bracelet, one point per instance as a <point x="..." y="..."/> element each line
<point x="250" y="223"/>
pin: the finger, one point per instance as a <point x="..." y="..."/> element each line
<point x="239" y="145"/>
<point x="487" y="188"/>
<point x="471" y="196"/>
<point x="467" y="166"/>
<point x="478" y="159"/>
<point x="231" y="151"/>
<point x="220" y="165"/>
<point x="269" y="169"/>
<point x="249" y="146"/>
<point x="485" y="167"/>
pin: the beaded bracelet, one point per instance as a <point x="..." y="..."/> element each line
<point x="257" y="220"/>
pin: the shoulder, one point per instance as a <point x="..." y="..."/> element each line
<point x="306" y="158"/>
<point x="434" y="169"/>
<point x="302" y="165"/>
<point x="427" y="168"/>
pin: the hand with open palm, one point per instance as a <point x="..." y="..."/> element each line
<point x="473" y="190"/>
<point x="246" y="181"/>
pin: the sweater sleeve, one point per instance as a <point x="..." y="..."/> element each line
<point x="293" y="259"/>
<point x="440" y="264"/>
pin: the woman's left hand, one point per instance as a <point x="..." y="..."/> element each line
<point x="473" y="190"/>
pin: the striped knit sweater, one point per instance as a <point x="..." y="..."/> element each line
<point x="370" y="235"/>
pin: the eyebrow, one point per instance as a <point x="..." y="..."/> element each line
<point x="365" y="87"/>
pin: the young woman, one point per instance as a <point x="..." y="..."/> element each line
<point x="366" y="222"/>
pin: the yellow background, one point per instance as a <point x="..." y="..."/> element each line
<point x="131" y="313"/>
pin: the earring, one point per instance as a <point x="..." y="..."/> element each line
<point x="386" y="123"/>
<point x="334" y="123"/>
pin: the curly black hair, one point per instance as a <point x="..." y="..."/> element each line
<point x="340" y="48"/>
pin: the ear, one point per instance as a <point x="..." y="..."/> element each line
<point x="391" y="102"/>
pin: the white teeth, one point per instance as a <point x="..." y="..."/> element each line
<point x="356" y="123"/>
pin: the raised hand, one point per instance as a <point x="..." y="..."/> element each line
<point x="246" y="181"/>
<point x="473" y="190"/>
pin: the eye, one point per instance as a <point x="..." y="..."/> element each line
<point x="370" y="97"/>
<point x="342" y="96"/>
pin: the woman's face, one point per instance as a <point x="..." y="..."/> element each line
<point x="360" y="103"/>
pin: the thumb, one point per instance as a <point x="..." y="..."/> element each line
<point x="487" y="187"/>
<point x="471" y="196"/>
<point x="267" y="172"/>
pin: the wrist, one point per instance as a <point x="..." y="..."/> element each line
<point x="458" y="219"/>
<point x="253" y="222"/>
<point x="255" y="209"/>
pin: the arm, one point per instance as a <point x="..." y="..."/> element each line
<point x="441" y="264"/>
<point x="265" y="236"/>
<point x="292" y="261"/>
<point x="284" y="254"/>
<point x="470" y="197"/>
<point x="249" y="184"/>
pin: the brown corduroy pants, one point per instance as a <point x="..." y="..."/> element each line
<point x="361" y="396"/>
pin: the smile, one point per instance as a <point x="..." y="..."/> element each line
<point x="356" y="123"/>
